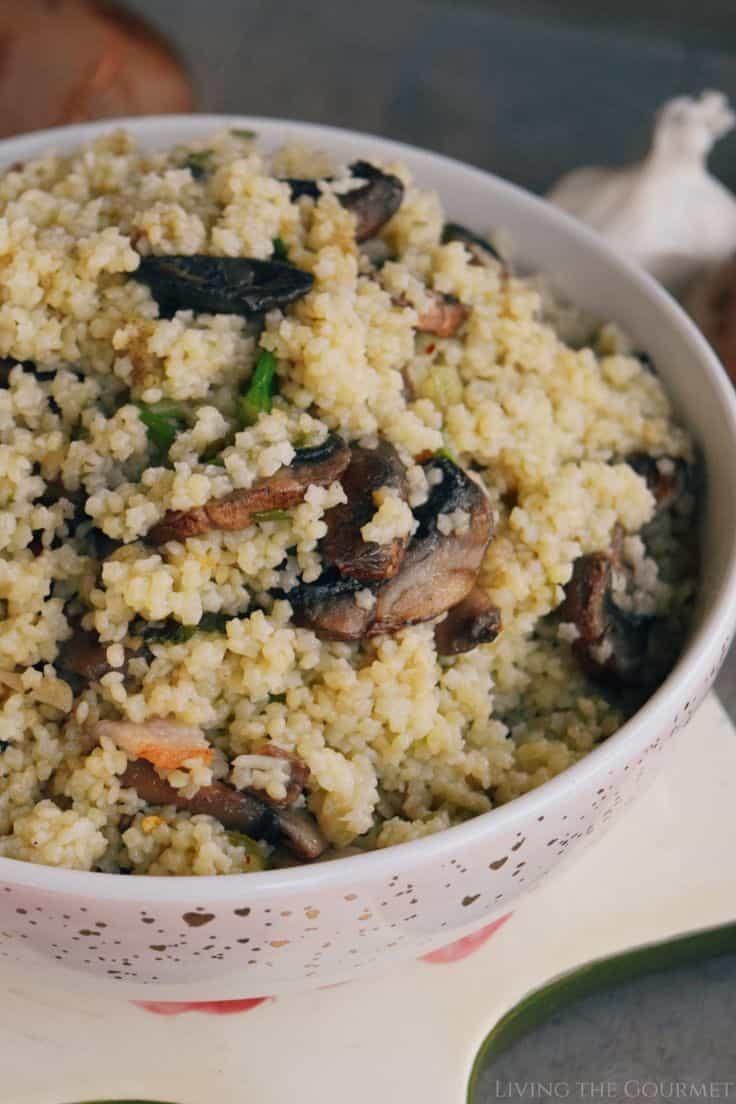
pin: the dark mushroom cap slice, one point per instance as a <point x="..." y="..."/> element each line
<point x="667" y="478"/>
<point x="481" y="250"/>
<point x="317" y="466"/>
<point x="86" y="656"/>
<point x="328" y="607"/>
<point x="471" y="622"/>
<point x="221" y="285"/>
<point x="613" y="643"/>
<point x="234" y="809"/>
<point x="299" y="188"/>
<point x="439" y="569"/>
<point x="375" y="202"/>
<point x="343" y="546"/>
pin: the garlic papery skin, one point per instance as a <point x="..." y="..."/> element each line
<point x="666" y="212"/>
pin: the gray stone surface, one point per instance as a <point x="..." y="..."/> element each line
<point x="631" y="1043"/>
<point x="528" y="89"/>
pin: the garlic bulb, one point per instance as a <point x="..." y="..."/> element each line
<point x="667" y="212"/>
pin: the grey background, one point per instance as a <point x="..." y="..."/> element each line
<point x="528" y="89"/>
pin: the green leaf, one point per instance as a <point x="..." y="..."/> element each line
<point x="162" y="420"/>
<point x="173" y="632"/>
<point x="445" y="454"/>
<point x="600" y="974"/>
<point x="257" y="859"/>
<point x="271" y="515"/>
<point x="199" y="163"/>
<point x="247" y="135"/>
<point x="280" y="251"/>
<point x="257" y="399"/>
<point x="214" y="622"/>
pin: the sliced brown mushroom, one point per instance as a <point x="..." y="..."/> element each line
<point x="481" y="251"/>
<point x="328" y="606"/>
<point x="443" y="317"/>
<point x="343" y="546"/>
<point x="373" y="204"/>
<point x="613" y="643"/>
<point x="439" y="568"/>
<point x="668" y="479"/>
<point x="297" y="772"/>
<point x="376" y="202"/>
<point x="318" y="466"/>
<point x="234" y="809"/>
<point x="471" y="622"/>
<point x="85" y="655"/>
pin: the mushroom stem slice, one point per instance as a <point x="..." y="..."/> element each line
<point x="343" y="546"/>
<point x="613" y="643"/>
<point x="234" y="809"/>
<point x="471" y="622"/>
<point x="318" y="466"/>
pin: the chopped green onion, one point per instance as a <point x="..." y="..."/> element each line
<point x="280" y="251"/>
<point x="178" y="634"/>
<point x="277" y="698"/>
<point x="255" y="857"/>
<point x="172" y="632"/>
<point x="198" y="163"/>
<point x="162" y="420"/>
<point x="272" y="515"/>
<point x="214" y="622"/>
<point x="445" y="454"/>
<point x="211" y="454"/>
<point x="257" y="399"/>
<point x="248" y="135"/>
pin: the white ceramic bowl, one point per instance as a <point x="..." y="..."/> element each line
<point x="259" y="934"/>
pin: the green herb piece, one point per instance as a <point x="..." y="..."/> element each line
<point x="211" y="454"/>
<point x="445" y="454"/>
<point x="179" y="634"/>
<point x="162" y="420"/>
<point x="255" y="856"/>
<point x="247" y="135"/>
<point x="271" y="515"/>
<point x="214" y="622"/>
<point x="199" y="163"/>
<point x="173" y="632"/>
<point x="257" y="399"/>
<point x="281" y="698"/>
<point x="280" y="252"/>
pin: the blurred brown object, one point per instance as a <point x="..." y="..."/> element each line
<point x="64" y="61"/>
<point x="712" y="303"/>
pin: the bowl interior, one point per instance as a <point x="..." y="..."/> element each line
<point x="582" y="269"/>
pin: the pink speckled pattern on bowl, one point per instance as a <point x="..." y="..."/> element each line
<point x="246" y="936"/>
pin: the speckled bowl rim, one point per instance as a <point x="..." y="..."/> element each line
<point x="716" y="620"/>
